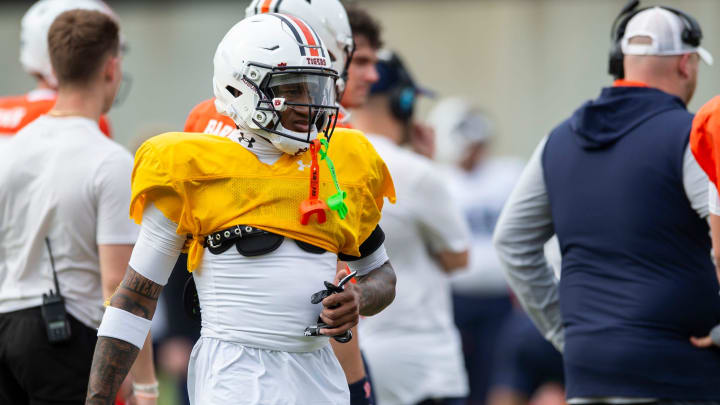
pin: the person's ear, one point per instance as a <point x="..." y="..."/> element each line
<point x="111" y="69"/>
<point x="684" y="65"/>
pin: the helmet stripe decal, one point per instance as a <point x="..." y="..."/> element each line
<point x="308" y="35"/>
<point x="317" y="38"/>
<point x="266" y="6"/>
<point x="298" y="38"/>
<point x="277" y="6"/>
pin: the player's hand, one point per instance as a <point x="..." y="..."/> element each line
<point x="708" y="341"/>
<point x="341" y="310"/>
<point x="422" y="139"/>
<point x="701" y="341"/>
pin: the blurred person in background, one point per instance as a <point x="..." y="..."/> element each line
<point x="18" y="111"/>
<point x="526" y="368"/>
<point x="273" y="77"/>
<point x="361" y="72"/>
<point x="480" y="184"/>
<point x="618" y="184"/>
<point x="352" y="38"/>
<point x="413" y="348"/>
<point x="705" y="144"/>
<point x="65" y="185"/>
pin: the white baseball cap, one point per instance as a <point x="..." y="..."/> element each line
<point x="34" y="27"/>
<point x="664" y="28"/>
<point x="458" y="124"/>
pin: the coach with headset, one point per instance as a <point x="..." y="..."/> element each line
<point x="619" y="186"/>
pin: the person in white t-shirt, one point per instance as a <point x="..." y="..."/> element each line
<point x="413" y="347"/>
<point x="64" y="195"/>
<point x="480" y="184"/>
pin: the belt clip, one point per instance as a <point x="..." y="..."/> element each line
<point x="209" y="240"/>
<point x="222" y="236"/>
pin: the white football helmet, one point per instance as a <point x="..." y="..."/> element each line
<point x="327" y="17"/>
<point x="458" y="124"/>
<point x="34" y="27"/>
<point x="273" y="77"/>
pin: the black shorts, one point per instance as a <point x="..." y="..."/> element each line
<point x="34" y="372"/>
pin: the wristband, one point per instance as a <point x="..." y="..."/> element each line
<point x="369" y="263"/>
<point x="123" y="325"/>
<point x="361" y="392"/>
<point x="715" y="335"/>
<point x="150" y="391"/>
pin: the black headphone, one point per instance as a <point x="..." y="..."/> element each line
<point x="404" y="95"/>
<point x="691" y="35"/>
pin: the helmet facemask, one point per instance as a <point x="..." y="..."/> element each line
<point x="294" y="105"/>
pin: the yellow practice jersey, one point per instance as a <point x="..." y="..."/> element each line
<point x="206" y="183"/>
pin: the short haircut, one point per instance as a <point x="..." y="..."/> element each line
<point x="79" y="42"/>
<point x="363" y="24"/>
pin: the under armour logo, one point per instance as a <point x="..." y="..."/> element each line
<point x="249" y="141"/>
<point x="302" y="165"/>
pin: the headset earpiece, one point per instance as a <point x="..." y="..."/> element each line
<point x="402" y="102"/>
<point x="615" y="62"/>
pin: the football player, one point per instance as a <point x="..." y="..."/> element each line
<point x="330" y="23"/>
<point x="18" y="111"/>
<point x="262" y="240"/>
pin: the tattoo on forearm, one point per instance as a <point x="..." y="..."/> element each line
<point x="377" y="289"/>
<point x="127" y="303"/>
<point x="136" y="295"/>
<point x="111" y="363"/>
<point x="140" y="285"/>
<point x="114" y="357"/>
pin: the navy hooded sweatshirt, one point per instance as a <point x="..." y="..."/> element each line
<point x="637" y="276"/>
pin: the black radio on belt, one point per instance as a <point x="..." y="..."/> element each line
<point x="53" y="309"/>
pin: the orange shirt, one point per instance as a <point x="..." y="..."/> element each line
<point x="204" y="118"/>
<point x="705" y="139"/>
<point x="18" y="111"/>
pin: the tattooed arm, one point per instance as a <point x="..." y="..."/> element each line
<point x="114" y="357"/>
<point x="377" y="289"/>
<point x="372" y="293"/>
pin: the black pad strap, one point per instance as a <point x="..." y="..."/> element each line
<point x="216" y="239"/>
<point x="310" y="248"/>
<point x="258" y="245"/>
<point x="371" y="244"/>
<point x="248" y="240"/>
